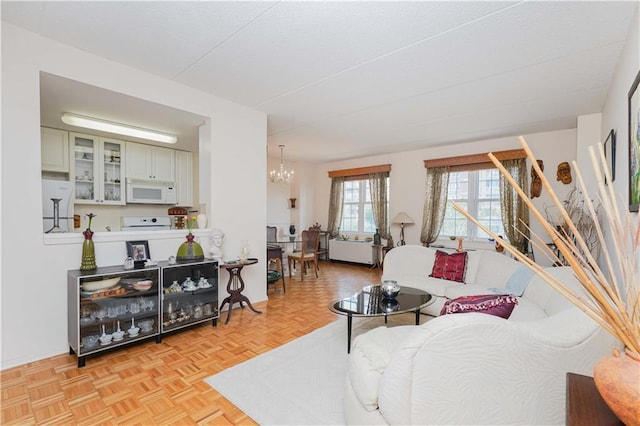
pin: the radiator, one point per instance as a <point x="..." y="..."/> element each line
<point x="351" y="251"/>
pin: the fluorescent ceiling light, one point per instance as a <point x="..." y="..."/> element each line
<point x="121" y="129"/>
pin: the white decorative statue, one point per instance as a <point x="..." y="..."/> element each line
<point x="215" y="247"/>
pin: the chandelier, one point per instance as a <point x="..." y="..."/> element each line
<point x="282" y="175"/>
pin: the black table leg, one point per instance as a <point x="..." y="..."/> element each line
<point x="349" y="322"/>
<point x="417" y="316"/>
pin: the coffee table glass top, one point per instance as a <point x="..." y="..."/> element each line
<point x="370" y="302"/>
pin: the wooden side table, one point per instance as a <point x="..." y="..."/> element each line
<point x="235" y="286"/>
<point x="585" y="406"/>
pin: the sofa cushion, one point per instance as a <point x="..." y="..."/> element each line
<point x="449" y="266"/>
<point x="526" y="310"/>
<point x="518" y="281"/>
<point x="453" y="292"/>
<point x="494" y="269"/>
<point x="500" y="305"/>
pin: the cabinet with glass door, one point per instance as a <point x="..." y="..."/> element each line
<point x="111" y="307"/>
<point x="97" y="169"/>
<point x="189" y="294"/>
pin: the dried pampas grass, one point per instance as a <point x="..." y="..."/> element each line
<point x="612" y="292"/>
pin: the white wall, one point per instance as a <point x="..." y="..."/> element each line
<point x="33" y="276"/>
<point x="615" y="110"/>
<point x="408" y="174"/>
<point x="615" y="113"/>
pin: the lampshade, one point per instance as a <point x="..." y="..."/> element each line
<point x="118" y="128"/>
<point x="402" y="217"/>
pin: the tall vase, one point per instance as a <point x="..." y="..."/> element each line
<point x="244" y="250"/>
<point x="376" y="238"/>
<point x="88" y="252"/>
<point x="617" y="378"/>
<point x="190" y="251"/>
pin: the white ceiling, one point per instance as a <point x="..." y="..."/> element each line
<point x="348" y="79"/>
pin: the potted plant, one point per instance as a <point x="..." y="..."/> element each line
<point x="612" y="290"/>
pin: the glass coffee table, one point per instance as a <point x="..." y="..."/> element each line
<point x="369" y="302"/>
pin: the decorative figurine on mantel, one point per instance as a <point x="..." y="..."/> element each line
<point x="190" y="250"/>
<point x="215" y="240"/>
<point x="88" y="249"/>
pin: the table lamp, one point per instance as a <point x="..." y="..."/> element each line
<point x="402" y="218"/>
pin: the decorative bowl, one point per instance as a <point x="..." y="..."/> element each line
<point x="390" y="289"/>
<point x="90" y="341"/>
<point x="106" y="338"/>
<point x="142" y="285"/>
<point x="86" y="320"/>
<point x="146" y="325"/>
<point x="133" y="331"/>
<point x="452" y="238"/>
<point x="100" y="285"/>
<point x="118" y="335"/>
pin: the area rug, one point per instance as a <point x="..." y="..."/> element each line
<point x="301" y="382"/>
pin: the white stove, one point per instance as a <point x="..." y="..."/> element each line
<point x="145" y="223"/>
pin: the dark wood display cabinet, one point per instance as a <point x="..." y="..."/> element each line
<point x="109" y="299"/>
<point x="189" y="294"/>
<point x="111" y="307"/>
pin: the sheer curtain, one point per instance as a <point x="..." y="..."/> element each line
<point x="379" y="203"/>
<point x="335" y="206"/>
<point x="435" y="203"/>
<point x="515" y="213"/>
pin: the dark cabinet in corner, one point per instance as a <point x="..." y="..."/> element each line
<point x="111" y="307"/>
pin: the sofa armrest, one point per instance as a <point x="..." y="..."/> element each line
<point x="504" y="372"/>
<point x="370" y="354"/>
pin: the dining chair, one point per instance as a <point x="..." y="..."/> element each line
<point x="307" y="255"/>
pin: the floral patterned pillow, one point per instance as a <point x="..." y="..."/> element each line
<point x="500" y="305"/>
<point x="450" y="266"/>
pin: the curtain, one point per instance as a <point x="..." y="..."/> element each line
<point x="515" y="213"/>
<point x="379" y="204"/>
<point x="335" y="206"/>
<point x="435" y="203"/>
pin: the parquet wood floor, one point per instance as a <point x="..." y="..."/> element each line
<point x="159" y="384"/>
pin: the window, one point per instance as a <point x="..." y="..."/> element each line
<point x="478" y="192"/>
<point x="357" y="213"/>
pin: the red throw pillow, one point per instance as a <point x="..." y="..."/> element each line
<point x="450" y="266"/>
<point x="500" y="305"/>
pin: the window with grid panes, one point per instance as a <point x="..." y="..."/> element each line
<point x="478" y="192"/>
<point x="357" y="213"/>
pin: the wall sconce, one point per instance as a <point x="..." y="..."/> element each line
<point x="118" y="128"/>
<point x="292" y="203"/>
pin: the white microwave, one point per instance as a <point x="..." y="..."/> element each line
<point x="151" y="192"/>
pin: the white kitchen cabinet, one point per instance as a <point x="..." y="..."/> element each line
<point x="184" y="178"/>
<point x="54" y="146"/>
<point x="150" y="162"/>
<point x="97" y="169"/>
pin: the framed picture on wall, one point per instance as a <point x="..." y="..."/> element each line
<point x="634" y="146"/>
<point x="610" y="154"/>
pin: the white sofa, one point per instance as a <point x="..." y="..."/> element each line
<point x="411" y="265"/>
<point x="473" y="368"/>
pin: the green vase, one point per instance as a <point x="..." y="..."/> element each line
<point x="190" y="251"/>
<point x="88" y="252"/>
